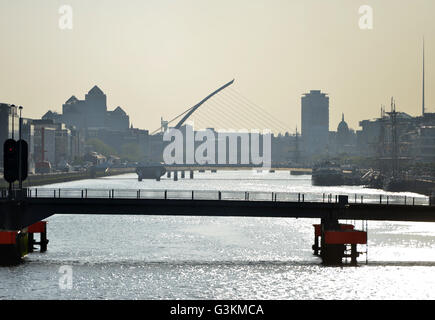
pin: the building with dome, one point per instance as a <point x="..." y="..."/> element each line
<point x="343" y="132"/>
<point x="343" y="141"/>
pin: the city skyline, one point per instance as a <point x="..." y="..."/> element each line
<point x="135" y="54"/>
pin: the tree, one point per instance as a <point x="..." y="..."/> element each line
<point x="132" y="152"/>
<point x="100" y="147"/>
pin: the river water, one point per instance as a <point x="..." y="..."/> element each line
<point x="154" y="257"/>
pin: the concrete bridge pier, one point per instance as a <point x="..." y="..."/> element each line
<point x="183" y="175"/>
<point x="175" y="175"/>
<point x="168" y="175"/>
<point x="191" y="174"/>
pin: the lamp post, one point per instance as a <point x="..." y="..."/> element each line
<point x="13" y="116"/>
<point x="20" y="180"/>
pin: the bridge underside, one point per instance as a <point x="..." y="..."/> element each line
<point x="15" y="215"/>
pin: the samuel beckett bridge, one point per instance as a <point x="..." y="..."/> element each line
<point x="228" y="109"/>
<point x="240" y="131"/>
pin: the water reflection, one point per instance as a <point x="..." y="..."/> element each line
<point x="138" y="257"/>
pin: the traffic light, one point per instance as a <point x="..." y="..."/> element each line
<point x="10" y="161"/>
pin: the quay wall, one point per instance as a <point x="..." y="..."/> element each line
<point x="51" y="178"/>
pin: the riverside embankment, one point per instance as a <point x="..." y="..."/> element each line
<point x="51" y="178"/>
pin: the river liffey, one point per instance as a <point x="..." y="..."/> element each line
<point x="154" y="257"/>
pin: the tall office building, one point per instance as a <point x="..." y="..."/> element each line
<point x="315" y="122"/>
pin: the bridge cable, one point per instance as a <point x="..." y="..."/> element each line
<point x="213" y="119"/>
<point x="242" y="119"/>
<point x="258" y="119"/>
<point x="220" y="115"/>
<point x="255" y="119"/>
<point x="229" y="110"/>
<point x="238" y="94"/>
<point x="271" y="124"/>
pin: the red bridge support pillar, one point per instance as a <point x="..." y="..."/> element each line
<point x="337" y="241"/>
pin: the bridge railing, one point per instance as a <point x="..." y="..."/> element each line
<point x="221" y="195"/>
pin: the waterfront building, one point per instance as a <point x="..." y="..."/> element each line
<point x="44" y="142"/>
<point x="118" y="140"/>
<point x="61" y="144"/>
<point x="28" y="134"/>
<point x="156" y="147"/>
<point x="89" y="118"/>
<point x="91" y="113"/>
<point x="77" y="143"/>
<point x="414" y="136"/>
<point x="117" y="120"/>
<point x="284" y="149"/>
<point x="426" y="144"/>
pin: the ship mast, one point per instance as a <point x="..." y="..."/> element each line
<point x="423" y="102"/>
<point x="394" y="149"/>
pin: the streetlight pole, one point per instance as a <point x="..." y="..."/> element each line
<point x="20" y="174"/>
<point x="13" y="116"/>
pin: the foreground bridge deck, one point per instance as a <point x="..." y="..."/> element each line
<point x="39" y="204"/>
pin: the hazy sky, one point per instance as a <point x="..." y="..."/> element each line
<point x="158" y="57"/>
